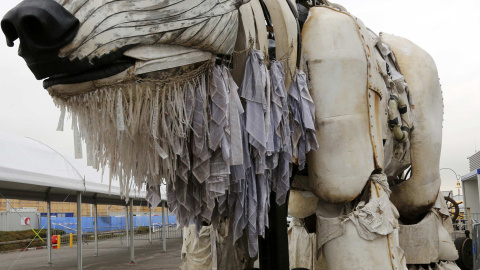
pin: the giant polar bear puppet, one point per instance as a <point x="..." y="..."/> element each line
<point x="152" y="89"/>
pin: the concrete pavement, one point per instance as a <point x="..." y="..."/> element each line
<point x="112" y="255"/>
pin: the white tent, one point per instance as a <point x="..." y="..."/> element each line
<point x="30" y="170"/>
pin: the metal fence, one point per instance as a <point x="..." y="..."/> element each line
<point x="119" y="232"/>
<point x="475" y="239"/>
<point x="140" y="233"/>
<point x="475" y="217"/>
<point x="460" y="225"/>
<point x="109" y="223"/>
<point x="457" y="234"/>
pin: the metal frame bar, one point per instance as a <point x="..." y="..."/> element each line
<point x="96" y="229"/>
<point x="49" y="232"/>
<point x="79" y="231"/>
<point x="132" y="243"/>
<point x="126" y="226"/>
<point x="150" y="224"/>
<point x="164" y="241"/>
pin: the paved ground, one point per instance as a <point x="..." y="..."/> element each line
<point x="112" y="255"/>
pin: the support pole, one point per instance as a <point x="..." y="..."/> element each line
<point x="150" y="224"/>
<point x="49" y="232"/>
<point x="132" y="244"/>
<point x="79" y="231"/>
<point x="164" y="242"/>
<point x="126" y="225"/>
<point x="96" y="228"/>
<point x="273" y="250"/>
<point x="469" y="220"/>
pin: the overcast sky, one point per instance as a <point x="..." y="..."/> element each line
<point x="448" y="30"/>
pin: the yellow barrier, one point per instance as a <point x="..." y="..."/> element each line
<point x="71" y="239"/>
<point x="59" y="240"/>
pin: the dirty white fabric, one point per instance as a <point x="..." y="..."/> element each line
<point x="196" y="250"/>
<point x="447" y="250"/>
<point x="105" y="26"/>
<point x="441" y="210"/>
<point x="301" y="245"/>
<point x="210" y="249"/>
<point x="381" y="179"/>
<point x="220" y="155"/>
<point x="438" y="266"/>
<point x="372" y="220"/>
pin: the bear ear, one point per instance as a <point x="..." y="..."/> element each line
<point x="241" y="2"/>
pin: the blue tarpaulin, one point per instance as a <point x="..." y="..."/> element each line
<point x="69" y="224"/>
<point x="57" y="214"/>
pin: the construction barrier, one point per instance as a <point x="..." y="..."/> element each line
<point x="69" y="224"/>
<point x="54" y="241"/>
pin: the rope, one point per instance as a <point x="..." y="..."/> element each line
<point x="132" y="78"/>
<point x="21" y="253"/>
<point x="182" y="78"/>
<point x="37" y="235"/>
<point x="248" y="49"/>
<point x="381" y="179"/>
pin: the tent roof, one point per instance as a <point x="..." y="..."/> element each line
<point x="471" y="175"/>
<point x="30" y="170"/>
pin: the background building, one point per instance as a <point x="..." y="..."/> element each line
<point x="71" y="208"/>
<point x="470" y="186"/>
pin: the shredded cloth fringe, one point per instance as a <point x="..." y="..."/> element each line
<point x="218" y="158"/>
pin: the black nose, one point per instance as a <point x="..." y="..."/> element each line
<point x="43" y="26"/>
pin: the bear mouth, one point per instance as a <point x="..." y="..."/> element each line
<point x="116" y="67"/>
<point x="93" y="74"/>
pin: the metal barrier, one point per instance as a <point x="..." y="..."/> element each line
<point x="118" y="232"/>
<point x="475" y="217"/>
<point x="475" y="239"/>
<point x="457" y="234"/>
<point x="460" y="225"/>
<point x="171" y="232"/>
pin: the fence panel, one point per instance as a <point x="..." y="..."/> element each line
<point x="113" y="227"/>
